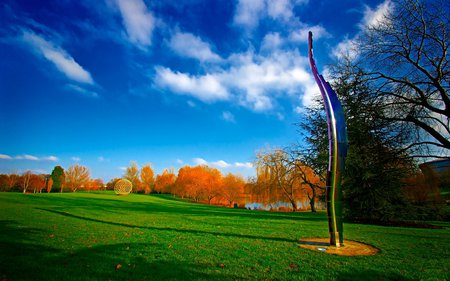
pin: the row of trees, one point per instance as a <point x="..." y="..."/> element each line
<point x="279" y="179"/>
<point x="199" y="183"/>
<point x="75" y="178"/>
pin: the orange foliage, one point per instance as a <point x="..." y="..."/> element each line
<point x="147" y="178"/>
<point x="37" y="182"/>
<point x="164" y="182"/>
<point x="198" y="183"/>
<point x="49" y="184"/>
<point x="233" y="188"/>
<point x="96" y="184"/>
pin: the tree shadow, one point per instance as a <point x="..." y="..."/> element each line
<point x="21" y="258"/>
<point x="171" y="229"/>
<point x="176" y="206"/>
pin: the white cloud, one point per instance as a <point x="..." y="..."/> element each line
<point x="271" y="41"/>
<point x="348" y="48"/>
<point x="63" y="61"/>
<point x="228" y="116"/>
<point x="243" y="165"/>
<point x="123" y="168"/>
<point x="35" y="158"/>
<point x="250" y="80"/>
<point x="221" y="164"/>
<point x="206" y="88"/>
<point x="27" y="157"/>
<point x="248" y="13"/>
<point x="299" y="109"/>
<point x="188" y="45"/>
<point x="82" y="91"/>
<point x="51" y="158"/>
<point x="200" y="161"/>
<point x="76" y="159"/>
<point x="373" y="18"/>
<point x="179" y="161"/>
<point x="138" y="20"/>
<point x="280" y="9"/>
<point x="4" y="156"/>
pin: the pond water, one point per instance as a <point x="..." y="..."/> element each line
<point x="276" y="205"/>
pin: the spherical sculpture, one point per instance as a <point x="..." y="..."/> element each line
<point x="123" y="187"/>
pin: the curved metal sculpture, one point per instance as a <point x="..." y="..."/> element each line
<point x="337" y="143"/>
<point x="123" y="187"/>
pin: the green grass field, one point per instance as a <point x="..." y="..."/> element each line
<point x="101" y="236"/>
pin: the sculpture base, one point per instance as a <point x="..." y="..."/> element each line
<point x="350" y="248"/>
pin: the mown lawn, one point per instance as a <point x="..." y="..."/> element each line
<point x="101" y="236"/>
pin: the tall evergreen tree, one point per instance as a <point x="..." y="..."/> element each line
<point x="59" y="178"/>
<point x="375" y="165"/>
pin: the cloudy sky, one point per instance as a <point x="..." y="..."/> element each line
<point x="171" y="83"/>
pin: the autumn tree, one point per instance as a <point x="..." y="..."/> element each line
<point x="37" y="182"/>
<point x="111" y="183"/>
<point x="280" y="173"/>
<point x="25" y="180"/>
<point x="164" y="182"/>
<point x="212" y="182"/>
<point x="58" y="178"/>
<point x="13" y="179"/>
<point x="3" y="182"/>
<point x="405" y="58"/>
<point x="190" y="182"/>
<point x="8" y="181"/>
<point x="132" y="174"/>
<point x="233" y="188"/>
<point x="94" y="184"/>
<point x="311" y="184"/>
<point x="147" y="178"/>
<point x="77" y="176"/>
<point x="49" y="185"/>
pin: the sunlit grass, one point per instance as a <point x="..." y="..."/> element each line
<point x="101" y="236"/>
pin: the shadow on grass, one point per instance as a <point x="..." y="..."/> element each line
<point x="22" y="258"/>
<point x="191" y="231"/>
<point x="167" y="204"/>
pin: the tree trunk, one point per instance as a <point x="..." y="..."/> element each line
<point x="312" y="200"/>
<point x="293" y="203"/>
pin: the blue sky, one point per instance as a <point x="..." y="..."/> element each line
<point x="171" y="83"/>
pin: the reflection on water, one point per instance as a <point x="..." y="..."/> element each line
<point x="301" y="205"/>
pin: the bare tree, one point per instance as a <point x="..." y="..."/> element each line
<point x="275" y="166"/>
<point x="12" y="180"/>
<point x="406" y="57"/>
<point x="76" y="176"/>
<point x="25" y="181"/>
<point x="132" y="174"/>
